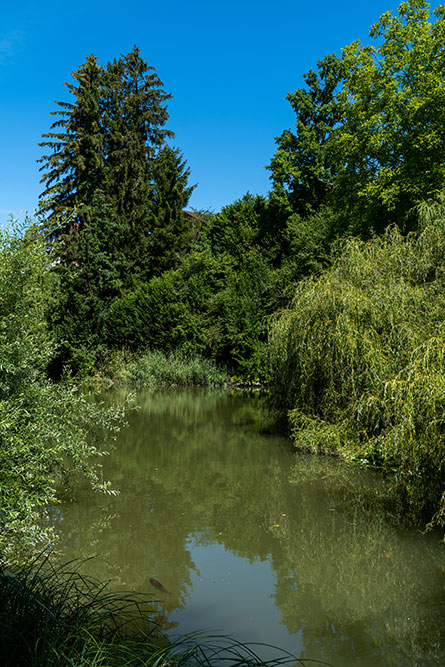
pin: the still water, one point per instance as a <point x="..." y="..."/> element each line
<point x="253" y="540"/>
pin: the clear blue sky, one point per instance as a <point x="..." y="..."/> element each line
<point x="229" y="66"/>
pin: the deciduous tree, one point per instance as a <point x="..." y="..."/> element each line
<point x="392" y="135"/>
<point x="302" y="169"/>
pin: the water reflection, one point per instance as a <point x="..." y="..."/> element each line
<point x="329" y="577"/>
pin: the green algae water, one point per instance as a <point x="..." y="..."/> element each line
<point x="233" y="532"/>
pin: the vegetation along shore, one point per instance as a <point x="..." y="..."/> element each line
<point x="330" y="290"/>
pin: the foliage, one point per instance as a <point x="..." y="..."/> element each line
<point x="136" y="273"/>
<point x="369" y="129"/>
<point x="302" y="169"/>
<point x="92" y="269"/>
<point x="45" y="431"/>
<point x="392" y="132"/>
<point x="133" y="122"/>
<point x="176" y="369"/>
<point x="55" y="615"/>
<point x="75" y="163"/>
<point x="217" y="300"/>
<point x="170" y="234"/>
<point x="237" y="227"/>
<point x="308" y="241"/>
<point x="114" y="198"/>
<point x="151" y="316"/>
<point x="357" y="361"/>
<point x="265" y="252"/>
<point x="112" y="138"/>
<point x="242" y="308"/>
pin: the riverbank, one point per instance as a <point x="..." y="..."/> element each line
<point x="155" y="368"/>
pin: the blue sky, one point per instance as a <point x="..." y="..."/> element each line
<point x="229" y="66"/>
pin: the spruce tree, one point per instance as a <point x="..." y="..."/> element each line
<point x="111" y="172"/>
<point x="134" y="116"/>
<point x="112" y="138"/>
<point x="74" y="167"/>
<point x="170" y="234"/>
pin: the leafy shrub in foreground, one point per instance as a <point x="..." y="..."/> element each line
<point x="47" y="432"/>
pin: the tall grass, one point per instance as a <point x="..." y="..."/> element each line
<point x="358" y="361"/>
<point x="53" y="616"/>
<point x="155" y="368"/>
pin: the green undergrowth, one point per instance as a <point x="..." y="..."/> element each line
<point x="155" y="368"/>
<point x="358" y="362"/>
<point x="54" y="615"/>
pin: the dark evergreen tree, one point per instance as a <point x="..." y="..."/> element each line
<point x="170" y="228"/>
<point x="112" y="138"/>
<point x="111" y="175"/>
<point x="92" y="271"/>
<point x="74" y="167"/>
<point x="134" y="116"/>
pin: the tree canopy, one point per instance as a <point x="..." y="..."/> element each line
<point x="369" y="139"/>
<point x="114" y="196"/>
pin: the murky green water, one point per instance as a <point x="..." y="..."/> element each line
<point x="255" y="541"/>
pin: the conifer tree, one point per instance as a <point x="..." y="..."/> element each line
<point x="74" y="167"/>
<point x="171" y="233"/>
<point x="110" y="172"/>
<point x="134" y="116"/>
<point x="112" y="138"/>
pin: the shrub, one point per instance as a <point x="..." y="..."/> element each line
<point x="46" y="431"/>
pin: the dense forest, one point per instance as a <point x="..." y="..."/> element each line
<point x="329" y="288"/>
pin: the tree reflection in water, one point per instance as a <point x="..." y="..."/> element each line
<point x="193" y="469"/>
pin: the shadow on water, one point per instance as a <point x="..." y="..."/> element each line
<point x="254" y="540"/>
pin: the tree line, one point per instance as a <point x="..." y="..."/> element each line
<point x="115" y="264"/>
<point x="366" y="148"/>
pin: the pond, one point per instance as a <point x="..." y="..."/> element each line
<point x="254" y="540"/>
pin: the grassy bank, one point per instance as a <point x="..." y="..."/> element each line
<point x="358" y="362"/>
<point x="53" y="616"/>
<point x="155" y="368"/>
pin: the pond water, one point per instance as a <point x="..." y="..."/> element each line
<point x="251" y="539"/>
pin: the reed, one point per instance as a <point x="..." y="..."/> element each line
<point x="53" y="615"/>
<point x="155" y="368"/>
<point x="358" y="361"/>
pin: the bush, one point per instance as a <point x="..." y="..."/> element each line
<point x="46" y="431"/>
<point x="151" y="316"/>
